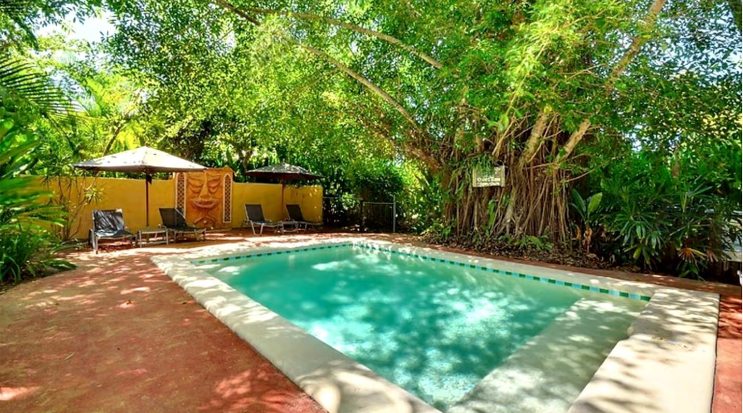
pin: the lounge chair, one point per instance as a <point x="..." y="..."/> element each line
<point x="175" y="222"/>
<point x="108" y="224"/>
<point x="254" y="216"/>
<point x="295" y="213"/>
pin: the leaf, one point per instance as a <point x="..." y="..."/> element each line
<point x="503" y="122"/>
<point x="578" y="204"/>
<point x="594" y="202"/>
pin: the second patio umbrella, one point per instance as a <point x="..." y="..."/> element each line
<point x="283" y="172"/>
<point x="144" y="160"/>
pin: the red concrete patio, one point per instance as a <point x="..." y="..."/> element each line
<point x="116" y="335"/>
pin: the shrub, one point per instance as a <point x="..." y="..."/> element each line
<point x="679" y="222"/>
<point x="27" y="246"/>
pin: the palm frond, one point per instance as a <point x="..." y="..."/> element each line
<point x="22" y="83"/>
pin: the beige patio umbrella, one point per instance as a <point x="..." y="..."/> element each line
<point x="144" y="160"/>
<point x="283" y="172"/>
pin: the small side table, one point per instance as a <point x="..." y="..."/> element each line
<point x="150" y="236"/>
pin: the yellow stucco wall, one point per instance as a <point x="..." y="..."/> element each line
<point x="129" y="195"/>
<point x="114" y="193"/>
<point x="268" y="196"/>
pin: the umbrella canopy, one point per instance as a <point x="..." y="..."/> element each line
<point x="283" y="172"/>
<point x="144" y="159"/>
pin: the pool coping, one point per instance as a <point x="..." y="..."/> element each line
<point x="666" y="364"/>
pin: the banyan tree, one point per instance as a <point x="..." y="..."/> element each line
<point x="538" y="87"/>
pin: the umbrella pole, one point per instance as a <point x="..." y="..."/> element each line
<point x="283" y="208"/>
<point x="147" y="200"/>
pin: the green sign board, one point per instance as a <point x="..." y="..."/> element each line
<point x="482" y="177"/>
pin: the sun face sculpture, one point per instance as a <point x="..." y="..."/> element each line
<point x="205" y="198"/>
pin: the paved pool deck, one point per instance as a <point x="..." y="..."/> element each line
<point x="117" y="335"/>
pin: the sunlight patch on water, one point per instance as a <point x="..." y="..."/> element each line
<point x="434" y="329"/>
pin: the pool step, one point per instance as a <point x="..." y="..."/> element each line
<point x="548" y="373"/>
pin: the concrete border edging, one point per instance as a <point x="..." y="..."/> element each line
<point x="666" y="364"/>
<point x="335" y="381"/>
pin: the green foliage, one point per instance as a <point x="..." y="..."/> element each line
<point x="26" y="245"/>
<point x="22" y="83"/>
<point x="586" y="223"/>
<point x="669" y="215"/>
<point x="528" y="242"/>
<point x="402" y="99"/>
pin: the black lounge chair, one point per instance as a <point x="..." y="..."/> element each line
<point x="108" y="224"/>
<point x="175" y="222"/>
<point x="295" y="213"/>
<point x="254" y="216"/>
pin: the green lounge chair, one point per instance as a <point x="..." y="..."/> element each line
<point x="175" y="222"/>
<point x="254" y="216"/>
<point x="108" y="224"/>
<point x="295" y="213"/>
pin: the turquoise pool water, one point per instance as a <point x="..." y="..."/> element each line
<point x="434" y="329"/>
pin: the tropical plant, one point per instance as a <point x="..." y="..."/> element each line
<point x="667" y="215"/>
<point x="28" y="246"/>
<point x="23" y="85"/>
<point x="26" y="217"/>
<point x="703" y="228"/>
<point x="585" y="209"/>
<point x="526" y="242"/>
<point x="622" y="98"/>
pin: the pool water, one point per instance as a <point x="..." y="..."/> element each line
<point x="434" y="329"/>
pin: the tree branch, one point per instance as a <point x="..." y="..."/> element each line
<point x="237" y="11"/>
<point x="408" y="148"/>
<point x="379" y="35"/>
<point x="537" y="131"/>
<point x="364" y="81"/>
<point x="637" y="42"/>
<point x="361" y="79"/>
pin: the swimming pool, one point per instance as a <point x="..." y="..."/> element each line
<point x="435" y="329"/>
<point x="462" y="333"/>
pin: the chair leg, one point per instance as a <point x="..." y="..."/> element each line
<point x="252" y="226"/>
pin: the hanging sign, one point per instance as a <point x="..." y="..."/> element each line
<point x="482" y="177"/>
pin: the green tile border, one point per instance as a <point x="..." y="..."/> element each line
<point x="261" y="254"/>
<point x="546" y="280"/>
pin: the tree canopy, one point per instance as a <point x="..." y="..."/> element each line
<point x="564" y="94"/>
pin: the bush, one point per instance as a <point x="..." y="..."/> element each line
<point x="663" y="218"/>
<point x="27" y="246"/>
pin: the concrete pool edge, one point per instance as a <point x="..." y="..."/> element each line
<point x="335" y="381"/>
<point x="670" y="348"/>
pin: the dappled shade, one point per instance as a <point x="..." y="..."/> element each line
<point x="433" y="329"/>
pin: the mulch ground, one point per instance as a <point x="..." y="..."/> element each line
<point x="116" y="335"/>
